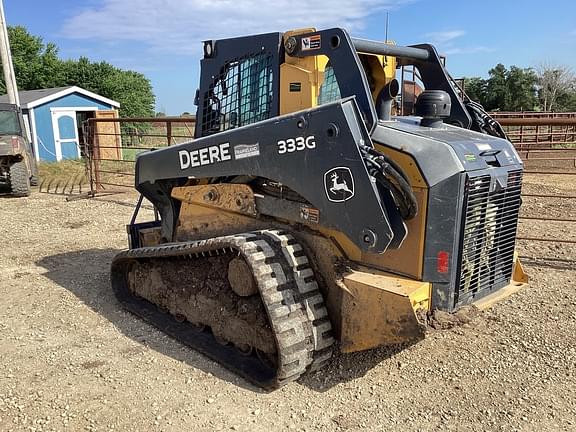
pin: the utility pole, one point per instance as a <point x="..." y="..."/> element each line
<point x="6" y="58"/>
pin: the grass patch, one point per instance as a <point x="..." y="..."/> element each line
<point x="129" y="154"/>
<point x="61" y="170"/>
<point x="65" y="177"/>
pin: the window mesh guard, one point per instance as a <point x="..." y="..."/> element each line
<point x="242" y="94"/>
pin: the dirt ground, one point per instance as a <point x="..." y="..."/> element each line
<point x="72" y="359"/>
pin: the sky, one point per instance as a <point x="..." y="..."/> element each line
<point x="162" y="38"/>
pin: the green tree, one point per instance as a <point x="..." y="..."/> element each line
<point x="133" y="90"/>
<point x="521" y="89"/>
<point x="475" y="88"/>
<point x="86" y="74"/>
<point x="566" y="101"/>
<point x="496" y="89"/>
<point x="37" y="65"/>
<point x="505" y="89"/>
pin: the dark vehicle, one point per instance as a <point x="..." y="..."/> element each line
<point x="18" y="170"/>
<point x="306" y="217"/>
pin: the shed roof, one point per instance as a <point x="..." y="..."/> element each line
<point x="33" y="98"/>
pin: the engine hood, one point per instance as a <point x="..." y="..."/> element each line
<point x="446" y="150"/>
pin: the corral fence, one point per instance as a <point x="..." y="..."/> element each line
<point x="543" y="140"/>
<point x="546" y="142"/>
<point x="531" y="131"/>
<point x="112" y="145"/>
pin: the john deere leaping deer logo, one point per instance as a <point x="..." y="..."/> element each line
<point x="339" y="184"/>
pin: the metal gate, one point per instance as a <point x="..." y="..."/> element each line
<point x="112" y="144"/>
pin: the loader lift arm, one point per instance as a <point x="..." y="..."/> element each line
<point x="326" y="140"/>
<point x="342" y="50"/>
<point x="343" y="54"/>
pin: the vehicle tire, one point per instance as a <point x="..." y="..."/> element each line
<point x="34" y="180"/>
<point x="19" y="179"/>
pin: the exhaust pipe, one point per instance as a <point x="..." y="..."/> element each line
<point x="385" y="98"/>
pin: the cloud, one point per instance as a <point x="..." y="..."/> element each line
<point x="446" y="43"/>
<point x="468" y="50"/>
<point x="173" y="26"/>
<point x="443" y="37"/>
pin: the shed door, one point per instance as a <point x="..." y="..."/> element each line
<point x="65" y="135"/>
<point x="107" y="137"/>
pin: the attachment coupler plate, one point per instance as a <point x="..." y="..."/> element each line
<point x="313" y="152"/>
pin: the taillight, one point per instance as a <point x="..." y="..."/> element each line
<point x="442" y="262"/>
<point x="15" y="143"/>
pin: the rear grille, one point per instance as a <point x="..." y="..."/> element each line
<point x="488" y="236"/>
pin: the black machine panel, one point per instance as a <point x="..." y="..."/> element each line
<point x="314" y="153"/>
<point x="473" y="203"/>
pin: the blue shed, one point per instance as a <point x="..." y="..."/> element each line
<point x="54" y="119"/>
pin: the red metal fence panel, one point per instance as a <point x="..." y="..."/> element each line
<point x="111" y="151"/>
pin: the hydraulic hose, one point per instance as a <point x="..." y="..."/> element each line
<point x="482" y="121"/>
<point x="383" y="158"/>
<point x="389" y="175"/>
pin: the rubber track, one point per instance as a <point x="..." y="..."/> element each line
<point x="288" y="289"/>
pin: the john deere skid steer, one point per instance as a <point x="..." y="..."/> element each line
<point x="306" y="216"/>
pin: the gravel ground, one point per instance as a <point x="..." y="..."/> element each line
<point x="71" y="359"/>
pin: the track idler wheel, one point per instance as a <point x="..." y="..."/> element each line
<point x="240" y="278"/>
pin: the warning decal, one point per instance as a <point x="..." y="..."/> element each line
<point x="311" y="43"/>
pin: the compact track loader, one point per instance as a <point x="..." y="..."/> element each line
<point x="305" y="216"/>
